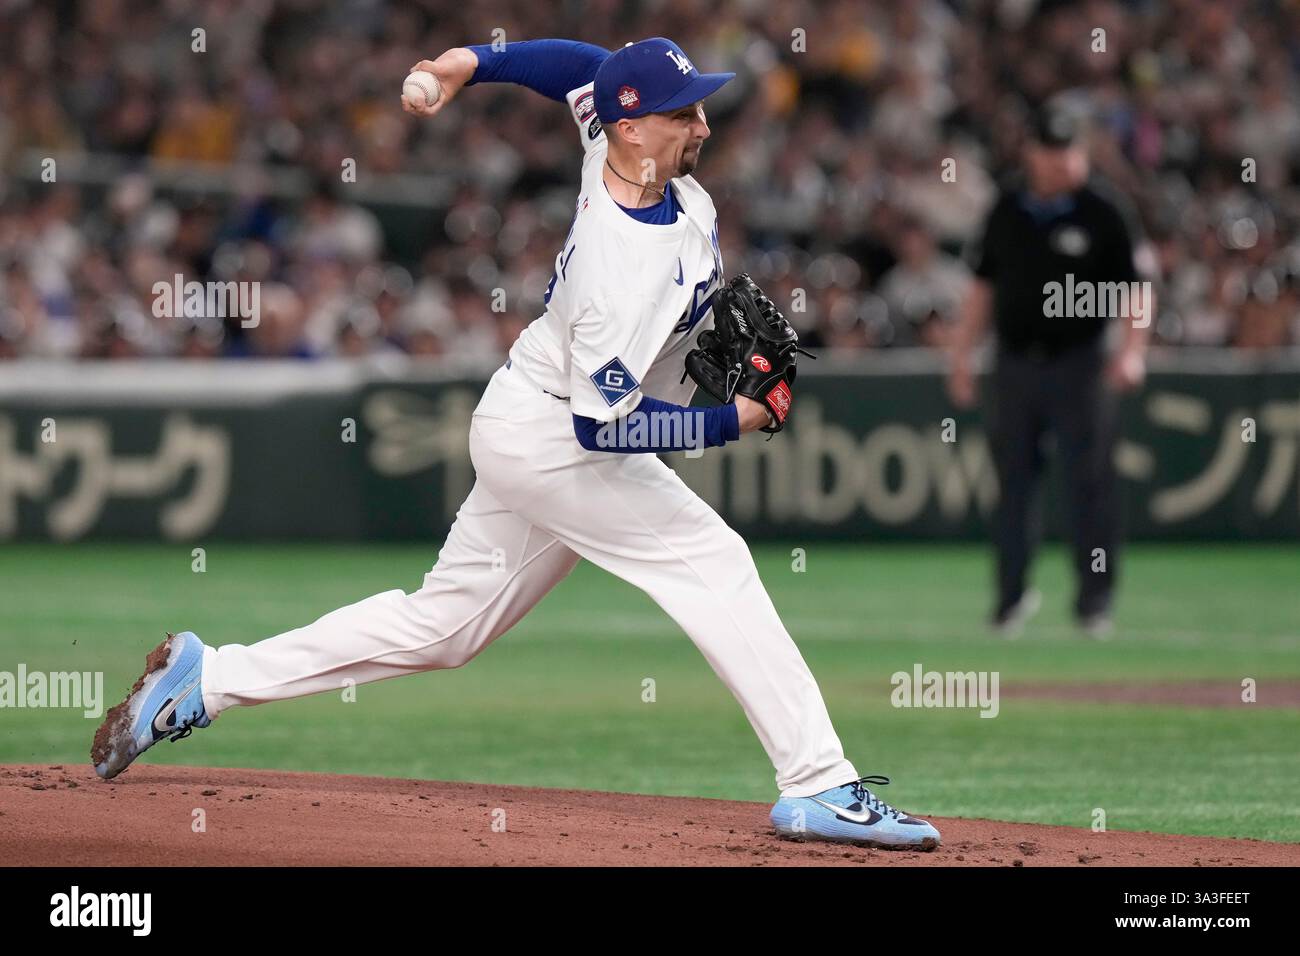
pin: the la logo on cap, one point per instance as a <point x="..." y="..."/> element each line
<point x="679" y="61"/>
<point x="628" y="98"/>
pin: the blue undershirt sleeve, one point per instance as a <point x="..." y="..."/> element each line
<point x="549" y="67"/>
<point x="656" y="426"/>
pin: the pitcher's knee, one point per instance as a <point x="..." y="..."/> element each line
<point x="454" y="633"/>
<point x="441" y="651"/>
<point x="453" y="652"/>
<point x="734" y="548"/>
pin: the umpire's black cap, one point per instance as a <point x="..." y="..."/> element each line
<point x="1055" y="127"/>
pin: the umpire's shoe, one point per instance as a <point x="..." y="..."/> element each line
<point x="1009" y="619"/>
<point x="852" y="814"/>
<point x="167" y="701"/>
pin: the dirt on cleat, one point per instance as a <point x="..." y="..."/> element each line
<point x="119" y="715"/>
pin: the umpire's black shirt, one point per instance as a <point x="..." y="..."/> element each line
<point x="1028" y="243"/>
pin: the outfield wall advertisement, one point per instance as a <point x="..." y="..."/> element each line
<point x="191" y="453"/>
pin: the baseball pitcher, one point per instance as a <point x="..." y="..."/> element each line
<point x="564" y="442"/>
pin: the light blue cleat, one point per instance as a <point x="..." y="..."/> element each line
<point x="852" y="814"/>
<point x="167" y="701"/>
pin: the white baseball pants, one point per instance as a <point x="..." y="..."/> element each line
<point x="539" y="503"/>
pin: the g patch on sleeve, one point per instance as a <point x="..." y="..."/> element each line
<point x="614" y="382"/>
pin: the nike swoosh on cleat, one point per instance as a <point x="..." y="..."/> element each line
<point x="865" y="817"/>
<point x="161" y="727"/>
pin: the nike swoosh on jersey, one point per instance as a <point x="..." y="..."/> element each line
<point x="680" y="277"/>
<point x="866" y="817"/>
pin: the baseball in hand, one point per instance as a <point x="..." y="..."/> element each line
<point x="422" y="88"/>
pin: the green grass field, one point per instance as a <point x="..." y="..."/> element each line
<point x="558" y="702"/>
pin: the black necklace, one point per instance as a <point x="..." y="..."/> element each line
<point x="644" y="186"/>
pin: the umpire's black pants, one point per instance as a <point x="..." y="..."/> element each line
<point x="1065" y="395"/>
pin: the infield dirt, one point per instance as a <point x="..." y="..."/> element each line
<point x="67" y="816"/>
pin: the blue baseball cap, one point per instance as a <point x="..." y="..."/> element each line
<point x="652" y="76"/>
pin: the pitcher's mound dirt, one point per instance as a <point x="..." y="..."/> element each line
<point x="66" y="816"/>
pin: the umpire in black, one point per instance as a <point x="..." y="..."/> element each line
<point x="1054" y="373"/>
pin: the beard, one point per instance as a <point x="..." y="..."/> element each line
<point x="690" y="158"/>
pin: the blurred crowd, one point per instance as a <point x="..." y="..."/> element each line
<point x="825" y="162"/>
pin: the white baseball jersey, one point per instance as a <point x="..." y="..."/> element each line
<point x="627" y="302"/>
<point x="628" y="298"/>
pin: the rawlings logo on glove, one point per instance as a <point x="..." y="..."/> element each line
<point x="749" y="351"/>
